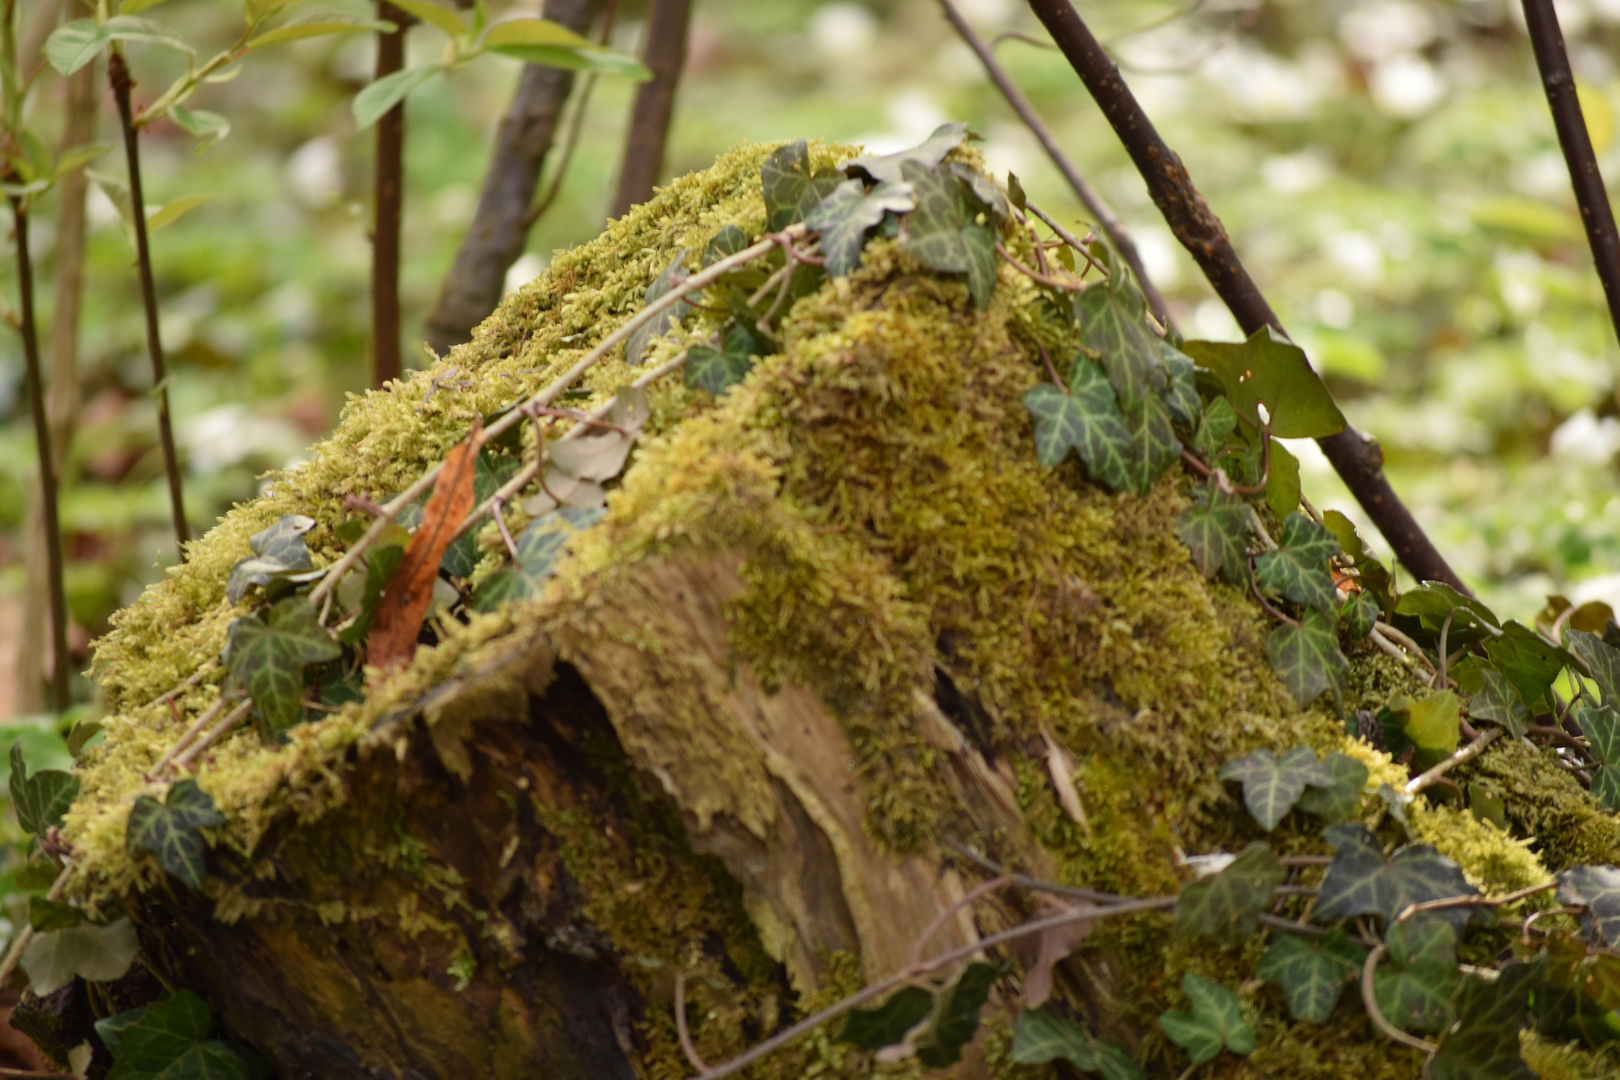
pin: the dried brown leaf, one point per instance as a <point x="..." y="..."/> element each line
<point x="1060" y="763"/>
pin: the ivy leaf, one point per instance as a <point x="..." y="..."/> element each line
<point x="1602" y="662"/>
<point x="1216" y="1021"/>
<point x="1272" y="370"/>
<point x="1086" y="419"/>
<point x="728" y="241"/>
<point x="1113" y="329"/>
<point x="1340" y="800"/>
<point x="1601" y="725"/>
<point x="1298" y="569"/>
<point x="1414" y="993"/>
<point x="1496" y="700"/>
<point x="1359" y="614"/>
<point x="1042" y="1036"/>
<point x="381" y="562"/>
<point x="1374" y="577"/>
<point x="169" y="1040"/>
<point x="843" y="218"/>
<point x="1154" y="447"/>
<point x="1215" y="426"/>
<point x="791" y="191"/>
<point x="1307" y="658"/>
<point x="1271" y="785"/>
<point x="1227" y="905"/>
<point x="1530" y="662"/>
<point x="717" y="370"/>
<point x="886" y="1025"/>
<point x="1312" y="971"/>
<point x="1484" y="1044"/>
<point x="1360" y="881"/>
<point x="1433" y="602"/>
<point x="983" y="190"/>
<point x="956" y="1016"/>
<point x="266" y="658"/>
<point x="169" y="829"/>
<point x="667" y="319"/>
<point x="1597" y="889"/>
<point x="928" y="153"/>
<point x="537" y="549"/>
<point x="88" y="951"/>
<point x="40" y="800"/>
<point x="1177" y="384"/>
<point x="46" y="915"/>
<point x="490" y="471"/>
<point x="1432" y="724"/>
<point x="1215" y="528"/>
<point x="277" y="550"/>
<point x="941" y="234"/>
<point x="1282" y="481"/>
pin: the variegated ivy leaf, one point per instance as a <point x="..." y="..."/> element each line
<point x="169" y="830"/>
<point x="1215" y="426"/>
<point x="1497" y="701"/>
<point x="1360" y="881"/>
<point x="1312" y="972"/>
<point x="1227" y="905"/>
<point x="1154" y="447"/>
<point x="1359" y="614"/>
<point x="1597" y="889"/>
<point x="930" y="152"/>
<point x="1307" y="658"/>
<point x="267" y="656"/>
<point x="277" y="551"/>
<point x="983" y="189"/>
<point x="943" y="235"/>
<point x="1298" y="569"/>
<point x="538" y="547"/>
<point x="665" y="320"/>
<point x="844" y="217"/>
<point x="1214" y="1023"/>
<point x="1414" y="992"/>
<point x="1215" y="528"/>
<point x="1601" y="725"/>
<point x="718" y="369"/>
<point x="1340" y="800"/>
<point x="728" y="241"/>
<point x="1087" y="420"/>
<point x="1602" y="662"/>
<point x="1042" y="1035"/>
<point x="1113" y="328"/>
<point x="1271" y="785"/>
<point x="791" y="190"/>
<point x="1177" y="385"/>
<point x="1484" y="1042"/>
<point x="40" y="800"/>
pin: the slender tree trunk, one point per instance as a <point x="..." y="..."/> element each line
<point x="500" y="226"/>
<point x="665" y="55"/>
<point x="388" y="203"/>
<point x="62" y="395"/>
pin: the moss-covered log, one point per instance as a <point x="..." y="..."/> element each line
<point x="836" y="622"/>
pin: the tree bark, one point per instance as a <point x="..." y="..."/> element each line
<point x="500" y="226"/>
<point x="664" y="55"/>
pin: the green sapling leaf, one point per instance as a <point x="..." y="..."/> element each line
<point x="376" y="99"/>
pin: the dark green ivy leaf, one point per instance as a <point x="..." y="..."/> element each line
<point x="1358" y="615"/>
<point x="1154" y="447"/>
<point x="983" y="190"/>
<point x="277" y="550"/>
<point x="1113" y="328"/>
<point x="1601" y="725"/>
<point x="169" y="829"/>
<point x="1597" y="889"/>
<point x="1312" y="971"/>
<point x="1414" y="992"/>
<point x="844" y="217"/>
<point x="1216" y="1021"/>
<point x="956" y="1016"/>
<point x="267" y="658"/>
<point x="791" y="191"/>
<point x="942" y="235"/>
<point x="1360" y="881"/>
<point x="1177" y="385"/>
<point x="1271" y="785"/>
<point x="1086" y="419"/>
<point x="1484" y="1044"/>
<point x="168" y="1040"/>
<point x="1042" y="1036"/>
<point x="1215" y="528"/>
<point x="1307" y="658"/>
<point x="537" y="549"/>
<point x="1298" y="569"/>
<point x="1496" y="700"/>
<point x="1602" y="662"/>
<point x="1227" y="905"/>
<point x="1271" y="370"/>
<point x="930" y="152"/>
<point x="665" y="320"/>
<point x="1434" y="601"/>
<point x="728" y="241"/>
<point x="40" y="800"/>
<point x="1340" y="800"/>
<point x="1530" y="662"/>
<point x="716" y="370"/>
<point x="46" y="915"/>
<point x="886" y="1025"/>
<point x="1215" y="426"/>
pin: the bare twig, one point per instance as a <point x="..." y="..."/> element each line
<point x="664" y="54"/>
<point x="1467" y="753"/>
<point x="1087" y="195"/>
<point x="225" y="724"/>
<point x="1070" y="239"/>
<point x="118" y="76"/>
<point x="1370" y="999"/>
<point x="680" y="1026"/>
<point x="981" y="890"/>
<point x="202" y="721"/>
<point x="1473" y="901"/>
<point x="388" y="200"/>
<point x="1354" y="456"/>
<point x="1036" y="275"/>
<point x="1590" y="194"/>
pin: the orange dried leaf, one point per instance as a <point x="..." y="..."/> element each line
<point x="405" y="598"/>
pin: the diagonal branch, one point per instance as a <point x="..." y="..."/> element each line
<point x="1354" y="456"/>
<point x="1590" y="194"/>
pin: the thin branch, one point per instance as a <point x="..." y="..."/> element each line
<point x="1473" y="901"/>
<point x="1094" y="204"/>
<point x="118" y="76"/>
<point x="202" y="721"/>
<point x="1590" y="194"/>
<point x="225" y="724"/>
<point x="967" y="899"/>
<point x="1036" y="275"/>
<point x="680" y="1026"/>
<point x="1069" y="238"/>
<point x="1467" y="753"/>
<point x="664" y="54"/>
<point x="388" y="201"/>
<point x="1370" y="999"/>
<point x="1354" y="456"/>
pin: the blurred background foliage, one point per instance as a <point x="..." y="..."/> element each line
<point x="1387" y="169"/>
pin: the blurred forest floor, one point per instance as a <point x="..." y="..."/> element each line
<point x="1387" y="169"/>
